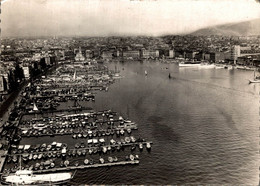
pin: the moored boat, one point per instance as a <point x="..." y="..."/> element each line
<point x="101" y="160"/>
<point x="26" y="177"/>
<point x="256" y="79"/>
<point x="148" y="145"/>
<point x="189" y="64"/>
<point x="86" y="161"/>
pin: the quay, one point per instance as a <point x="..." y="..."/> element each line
<point x="134" y="162"/>
<point x="60" y="110"/>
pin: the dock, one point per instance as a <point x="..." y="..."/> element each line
<point x="134" y="162"/>
<point x="72" y="109"/>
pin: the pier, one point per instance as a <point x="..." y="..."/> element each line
<point x="134" y="162"/>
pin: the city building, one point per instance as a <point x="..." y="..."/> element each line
<point x="106" y="54"/>
<point x="3" y="84"/>
<point x="171" y="54"/>
<point x="135" y="54"/>
<point x="79" y="56"/>
<point x="26" y="72"/>
<point x="89" y="54"/>
<point x="217" y="57"/>
<point x="235" y="53"/>
<point x="149" y="54"/>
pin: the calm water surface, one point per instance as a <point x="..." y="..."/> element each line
<point x="203" y="123"/>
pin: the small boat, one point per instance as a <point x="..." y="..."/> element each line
<point x="84" y="151"/>
<point x="37" y="166"/>
<point x="141" y="146"/>
<point x="256" y="79"/>
<point x="148" y="145"/>
<point x="122" y="132"/>
<point x="25" y="157"/>
<point x="101" y="160"/>
<point x="52" y="165"/>
<point x="104" y="149"/>
<point x="133" y="147"/>
<point x="35" y="156"/>
<point x="15" y="158"/>
<point x="110" y="159"/>
<point x="74" y="136"/>
<point x="82" y="145"/>
<point x="131" y="157"/>
<point x="49" y="154"/>
<point x="79" y="152"/>
<point x="66" y="163"/>
<point x="129" y="131"/>
<point x="77" y="145"/>
<point x="91" y="161"/>
<point x="30" y="157"/>
<point x="74" y="153"/>
<point x="127" y="140"/>
<point x="86" y="161"/>
<point x="40" y="156"/>
<point x="108" y="133"/>
<point x="123" y="141"/>
<point x="95" y="150"/>
<point x="63" y="152"/>
<point x="58" y="154"/>
<point x="133" y="139"/>
<point x="115" y="159"/>
<point x="76" y="163"/>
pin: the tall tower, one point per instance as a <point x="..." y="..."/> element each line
<point x="235" y="53"/>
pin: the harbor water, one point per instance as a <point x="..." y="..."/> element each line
<point x="204" y="124"/>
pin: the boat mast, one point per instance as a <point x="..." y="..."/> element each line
<point x="20" y="162"/>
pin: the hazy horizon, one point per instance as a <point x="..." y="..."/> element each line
<point x="93" y="18"/>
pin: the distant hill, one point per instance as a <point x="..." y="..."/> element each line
<point x="234" y="29"/>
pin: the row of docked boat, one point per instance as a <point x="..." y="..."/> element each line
<point x="54" y="146"/>
<point x="82" y="130"/>
<point x="82" y="150"/>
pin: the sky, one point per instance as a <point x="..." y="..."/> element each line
<point x="119" y="17"/>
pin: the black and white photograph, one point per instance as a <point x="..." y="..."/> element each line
<point x="129" y="92"/>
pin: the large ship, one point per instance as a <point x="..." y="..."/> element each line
<point x="26" y="177"/>
<point x="189" y="64"/>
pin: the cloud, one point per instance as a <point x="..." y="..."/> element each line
<point x="120" y="17"/>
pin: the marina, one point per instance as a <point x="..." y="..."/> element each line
<point x="53" y="106"/>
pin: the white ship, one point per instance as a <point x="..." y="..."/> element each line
<point x="26" y="177"/>
<point x="189" y="64"/>
<point x="256" y="79"/>
<point x="206" y="65"/>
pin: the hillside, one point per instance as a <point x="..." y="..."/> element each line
<point x="234" y="29"/>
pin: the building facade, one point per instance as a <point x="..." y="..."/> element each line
<point x="235" y="52"/>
